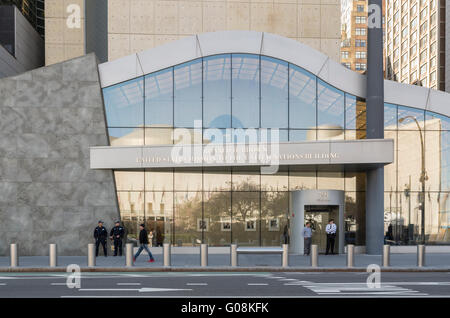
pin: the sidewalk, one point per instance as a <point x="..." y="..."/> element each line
<point x="217" y="262"/>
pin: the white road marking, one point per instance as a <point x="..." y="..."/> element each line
<point x="58" y="284"/>
<point x="140" y="290"/>
<point x="196" y="284"/>
<point x="359" y="289"/>
<point x="257" y="284"/>
<point x="128" y="284"/>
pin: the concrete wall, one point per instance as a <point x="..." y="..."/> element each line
<point x="137" y="25"/>
<point x="49" y="117"/>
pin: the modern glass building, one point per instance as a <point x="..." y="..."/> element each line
<point x="234" y="82"/>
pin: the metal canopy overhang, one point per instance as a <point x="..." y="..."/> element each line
<point x="355" y="155"/>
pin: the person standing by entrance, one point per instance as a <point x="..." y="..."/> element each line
<point x="143" y="240"/>
<point x="331" y="236"/>
<point x="100" y="235"/>
<point x="307" y="236"/>
<point x="116" y="235"/>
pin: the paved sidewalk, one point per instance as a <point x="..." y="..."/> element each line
<point x="191" y="261"/>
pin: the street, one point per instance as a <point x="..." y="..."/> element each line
<point x="228" y="285"/>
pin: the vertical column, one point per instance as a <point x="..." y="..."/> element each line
<point x="52" y="255"/>
<point x="91" y="255"/>
<point x="233" y="255"/>
<point x="204" y="255"/>
<point x="375" y="128"/>
<point x="285" y="257"/>
<point x="14" y="255"/>
<point x="167" y="260"/>
<point x="129" y="255"/>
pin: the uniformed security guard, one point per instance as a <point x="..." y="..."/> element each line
<point x="100" y="235"/>
<point x="116" y="234"/>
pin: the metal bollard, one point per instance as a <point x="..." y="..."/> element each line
<point x="204" y="255"/>
<point x="14" y="255"/>
<point x="52" y="255"/>
<point x="314" y="255"/>
<point x="386" y="255"/>
<point x="420" y="255"/>
<point x="233" y="256"/>
<point x="285" y="262"/>
<point x="350" y="255"/>
<point x="167" y="255"/>
<point x="91" y="255"/>
<point x="129" y="255"/>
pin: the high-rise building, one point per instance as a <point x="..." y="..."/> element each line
<point x="32" y="10"/>
<point x="21" y="46"/>
<point x="415" y="42"/>
<point x="354" y="34"/>
<point x="117" y="28"/>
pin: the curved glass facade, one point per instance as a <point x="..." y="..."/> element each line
<point x="235" y="91"/>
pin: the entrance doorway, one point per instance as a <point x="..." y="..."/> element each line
<point x="157" y="226"/>
<point x="319" y="216"/>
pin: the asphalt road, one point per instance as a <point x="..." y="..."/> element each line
<point x="257" y="285"/>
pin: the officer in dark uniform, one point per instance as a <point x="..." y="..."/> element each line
<point x="100" y="235"/>
<point x="116" y="235"/>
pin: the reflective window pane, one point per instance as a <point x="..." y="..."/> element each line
<point x="410" y="118"/>
<point x="409" y="160"/>
<point x="126" y="136"/>
<point x="302" y="135"/>
<point x="131" y="207"/>
<point x="217" y="179"/>
<point x="275" y="182"/>
<point x="159" y="180"/>
<point x="390" y="170"/>
<point x="330" y="180"/>
<point x="355" y="134"/>
<point x="246" y="216"/>
<point x="217" y="212"/>
<point x="159" y="98"/>
<point x="436" y="121"/>
<point x="245" y="179"/>
<point x="188" y="93"/>
<point x="330" y="134"/>
<point x="355" y="112"/>
<point x="274" y="212"/>
<point x="124" y="104"/>
<point x="330" y="109"/>
<point x="302" y="98"/>
<point x="390" y="116"/>
<point x="158" y="136"/>
<point x="159" y="216"/>
<point x="299" y="179"/>
<point x="188" y="180"/>
<point x="355" y="181"/>
<point x="245" y="88"/>
<point x="354" y="218"/>
<point x="217" y="91"/>
<point x="437" y="160"/>
<point x="129" y="180"/>
<point x="189" y="223"/>
<point x="274" y="93"/>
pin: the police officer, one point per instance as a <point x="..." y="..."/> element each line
<point x="100" y="235"/>
<point x="116" y="234"/>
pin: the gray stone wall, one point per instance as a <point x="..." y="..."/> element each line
<point x="49" y="117"/>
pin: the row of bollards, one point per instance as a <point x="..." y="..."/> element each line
<point x="314" y="255"/>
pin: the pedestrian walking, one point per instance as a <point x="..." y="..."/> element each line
<point x="330" y="229"/>
<point x="143" y="241"/>
<point x="100" y="235"/>
<point x="116" y="234"/>
<point x="307" y="237"/>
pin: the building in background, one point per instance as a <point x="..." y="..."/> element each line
<point x="117" y="28"/>
<point x="32" y="10"/>
<point x="415" y="42"/>
<point x="354" y="34"/>
<point x="21" y="45"/>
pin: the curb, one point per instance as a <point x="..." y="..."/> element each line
<point x="217" y="269"/>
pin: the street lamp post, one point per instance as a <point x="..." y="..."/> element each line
<point x="423" y="177"/>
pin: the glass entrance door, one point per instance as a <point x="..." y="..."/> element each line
<point x="319" y="216"/>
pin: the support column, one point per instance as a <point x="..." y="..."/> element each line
<point x="375" y="128"/>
